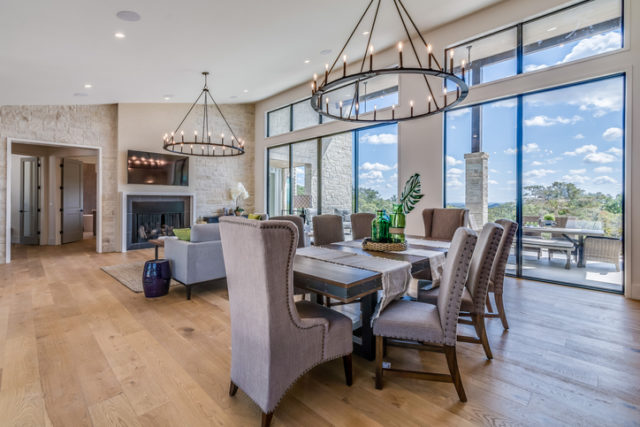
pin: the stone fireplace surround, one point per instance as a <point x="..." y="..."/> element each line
<point x="129" y="199"/>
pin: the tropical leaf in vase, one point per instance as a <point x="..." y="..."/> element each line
<point x="411" y="193"/>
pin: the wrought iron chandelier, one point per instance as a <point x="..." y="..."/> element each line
<point x="343" y="98"/>
<point x="204" y="145"/>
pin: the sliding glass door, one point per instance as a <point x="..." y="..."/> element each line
<point x="553" y="160"/>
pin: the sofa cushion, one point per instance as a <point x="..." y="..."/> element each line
<point x="205" y="232"/>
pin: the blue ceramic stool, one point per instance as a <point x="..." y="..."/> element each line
<point x="156" y="277"/>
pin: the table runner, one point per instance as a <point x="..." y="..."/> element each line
<point x="396" y="275"/>
<point x="436" y="260"/>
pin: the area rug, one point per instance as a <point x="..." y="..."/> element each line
<point x="129" y="275"/>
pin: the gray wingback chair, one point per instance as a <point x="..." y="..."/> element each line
<point x="474" y="295"/>
<point x="430" y="327"/>
<point x="496" y="282"/>
<point x="274" y="340"/>
<point x="327" y="229"/>
<point x="361" y="225"/>
<point x="299" y="222"/>
<point x="199" y="260"/>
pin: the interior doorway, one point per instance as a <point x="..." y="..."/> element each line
<point x="53" y="194"/>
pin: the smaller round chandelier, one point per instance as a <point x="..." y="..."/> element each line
<point x="205" y="144"/>
<point x="346" y="97"/>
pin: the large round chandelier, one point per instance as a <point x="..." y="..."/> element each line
<point x="207" y="143"/>
<point x="352" y="96"/>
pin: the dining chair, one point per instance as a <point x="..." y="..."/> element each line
<point x="361" y="225"/>
<point x="441" y="223"/>
<point x="274" y="340"/>
<point x="429" y="327"/>
<point x="299" y="222"/>
<point x="474" y="296"/>
<point x="327" y="229"/>
<point x="496" y="281"/>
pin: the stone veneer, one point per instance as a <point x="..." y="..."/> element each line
<point x="477" y="187"/>
<point x="90" y="125"/>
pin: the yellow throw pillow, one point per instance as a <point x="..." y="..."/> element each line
<point x="183" y="233"/>
<point x="255" y="216"/>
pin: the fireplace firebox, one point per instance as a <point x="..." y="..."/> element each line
<point x="151" y="217"/>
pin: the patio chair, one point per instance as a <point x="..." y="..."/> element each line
<point x="603" y="249"/>
<point x="529" y="220"/>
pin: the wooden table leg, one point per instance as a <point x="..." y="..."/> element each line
<point x="367" y="348"/>
<point x="156" y="252"/>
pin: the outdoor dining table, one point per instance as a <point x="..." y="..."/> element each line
<point x="356" y="285"/>
<point x="567" y="233"/>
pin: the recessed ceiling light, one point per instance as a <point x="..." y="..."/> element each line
<point x="166" y="97"/>
<point x="80" y="94"/>
<point x="325" y="52"/>
<point x="365" y="33"/>
<point x="246" y="91"/>
<point x="306" y="61"/>
<point x="128" y="15"/>
<point x="88" y="85"/>
<point x="119" y="35"/>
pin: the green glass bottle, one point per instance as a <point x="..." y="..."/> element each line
<point x="398" y="222"/>
<point x="380" y="227"/>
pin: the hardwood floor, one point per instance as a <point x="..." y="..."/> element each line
<point x="78" y="348"/>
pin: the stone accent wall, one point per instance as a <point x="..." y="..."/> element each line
<point x="91" y="125"/>
<point x="477" y="187"/>
<point x="337" y="173"/>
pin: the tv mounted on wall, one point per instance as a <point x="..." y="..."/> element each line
<point x="148" y="168"/>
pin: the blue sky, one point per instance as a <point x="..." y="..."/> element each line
<point x="378" y="162"/>
<point x="572" y="134"/>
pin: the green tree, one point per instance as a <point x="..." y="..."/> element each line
<point x="369" y="200"/>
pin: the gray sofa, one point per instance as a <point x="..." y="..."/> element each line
<point x="199" y="260"/>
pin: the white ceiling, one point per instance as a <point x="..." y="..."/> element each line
<point x="50" y="49"/>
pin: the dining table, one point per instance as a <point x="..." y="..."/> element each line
<point x="569" y="233"/>
<point x="346" y="284"/>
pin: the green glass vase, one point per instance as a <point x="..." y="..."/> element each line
<point x="380" y="227"/>
<point x="398" y="222"/>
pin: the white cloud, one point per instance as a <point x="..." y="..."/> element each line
<point x="545" y="121"/>
<point x="590" y="148"/>
<point x="494" y="171"/>
<point x="455" y="171"/>
<point x="578" y="179"/>
<point x="376" y="167"/>
<point x="510" y="151"/>
<point x="616" y="151"/>
<point x="531" y="147"/>
<point x="538" y="173"/>
<point x="506" y="103"/>
<point x="599" y="158"/>
<point x="452" y="161"/>
<point x="604" y="180"/>
<point x="603" y="169"/>
<point x="594" y="45"/>
<point x="536" y="163"/>
<point x="579" y="136"/>
<point x="380" y="139"/>
<point x="577" y="171"/>
<point x="372" y="175"/>
<point x="454" y="182"/>
<point x="493" y="181"/>
<point x="612" y="134"/>
<point x="533" y="67"/>
<point x="458" y="113"/>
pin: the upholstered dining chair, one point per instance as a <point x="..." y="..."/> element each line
<point x="299" y="222"/>
<point x="474" y="296"/>
<point x="496" y="282"/>
<point x="441" y="224"/>
<point x="429" y="327"/>
<point x="274" y="341"/>
<point x="327" y="229"/>
<point x="361" y="225"/>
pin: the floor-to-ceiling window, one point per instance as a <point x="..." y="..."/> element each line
<point x="355" y="171"/>
<point x="567" y="152"/>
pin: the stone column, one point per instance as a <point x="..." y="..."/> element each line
<point x="477" y="187"/>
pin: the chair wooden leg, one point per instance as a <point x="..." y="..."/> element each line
<point x="478" y="323"/>
<point x="500" y="308"/>
<point x="489" y="307"/>
<point x="233" y="389"/>
<point x="266" y="419"/>
<point x="379" y="351"/>
<point x="452" y="362"/>
<point x="348" y="369"/>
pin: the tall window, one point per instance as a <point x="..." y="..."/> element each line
<point x="579" y="31"/>
<point x="338" y="174"/>
<point x="569" y="160"/>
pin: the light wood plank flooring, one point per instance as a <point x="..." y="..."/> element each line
<point x="78" y="348"/>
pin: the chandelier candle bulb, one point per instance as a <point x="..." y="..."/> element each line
<point x="375" y="111"/>
<point x="195" y="135"/>
<point x="326" y="101"/>
<point x="462" y="64"/>
<point x="326" y="73"/>
<point x="429" y="104"/>
<point x="393" y="111"/>
<point x="429" y="49"/>
<point x="451" y="53"/>
<point x="370" y="57"/>
<point x="340" y="108"/>
<point x="444" y="92"/>
<point x="400" y="53"/>
<point x="411" y="105"/>
<point x="357" y="108"/>
<point x="182" y="135"/>
<point x="344" y="66"/>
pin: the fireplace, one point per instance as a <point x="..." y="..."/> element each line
<point x="151" y="217"/>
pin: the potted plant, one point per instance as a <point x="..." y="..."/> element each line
<point x="239" y="193"/>
<point x="408" y="199"/>
<point x="549" y="220"/>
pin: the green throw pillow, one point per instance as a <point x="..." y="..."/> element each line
<point x="183" y="233"/>
<point x="255" y="216"/>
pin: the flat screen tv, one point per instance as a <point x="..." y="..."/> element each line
<point x="148" y="168"/>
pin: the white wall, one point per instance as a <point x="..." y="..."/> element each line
<point x="420" y="141"/>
